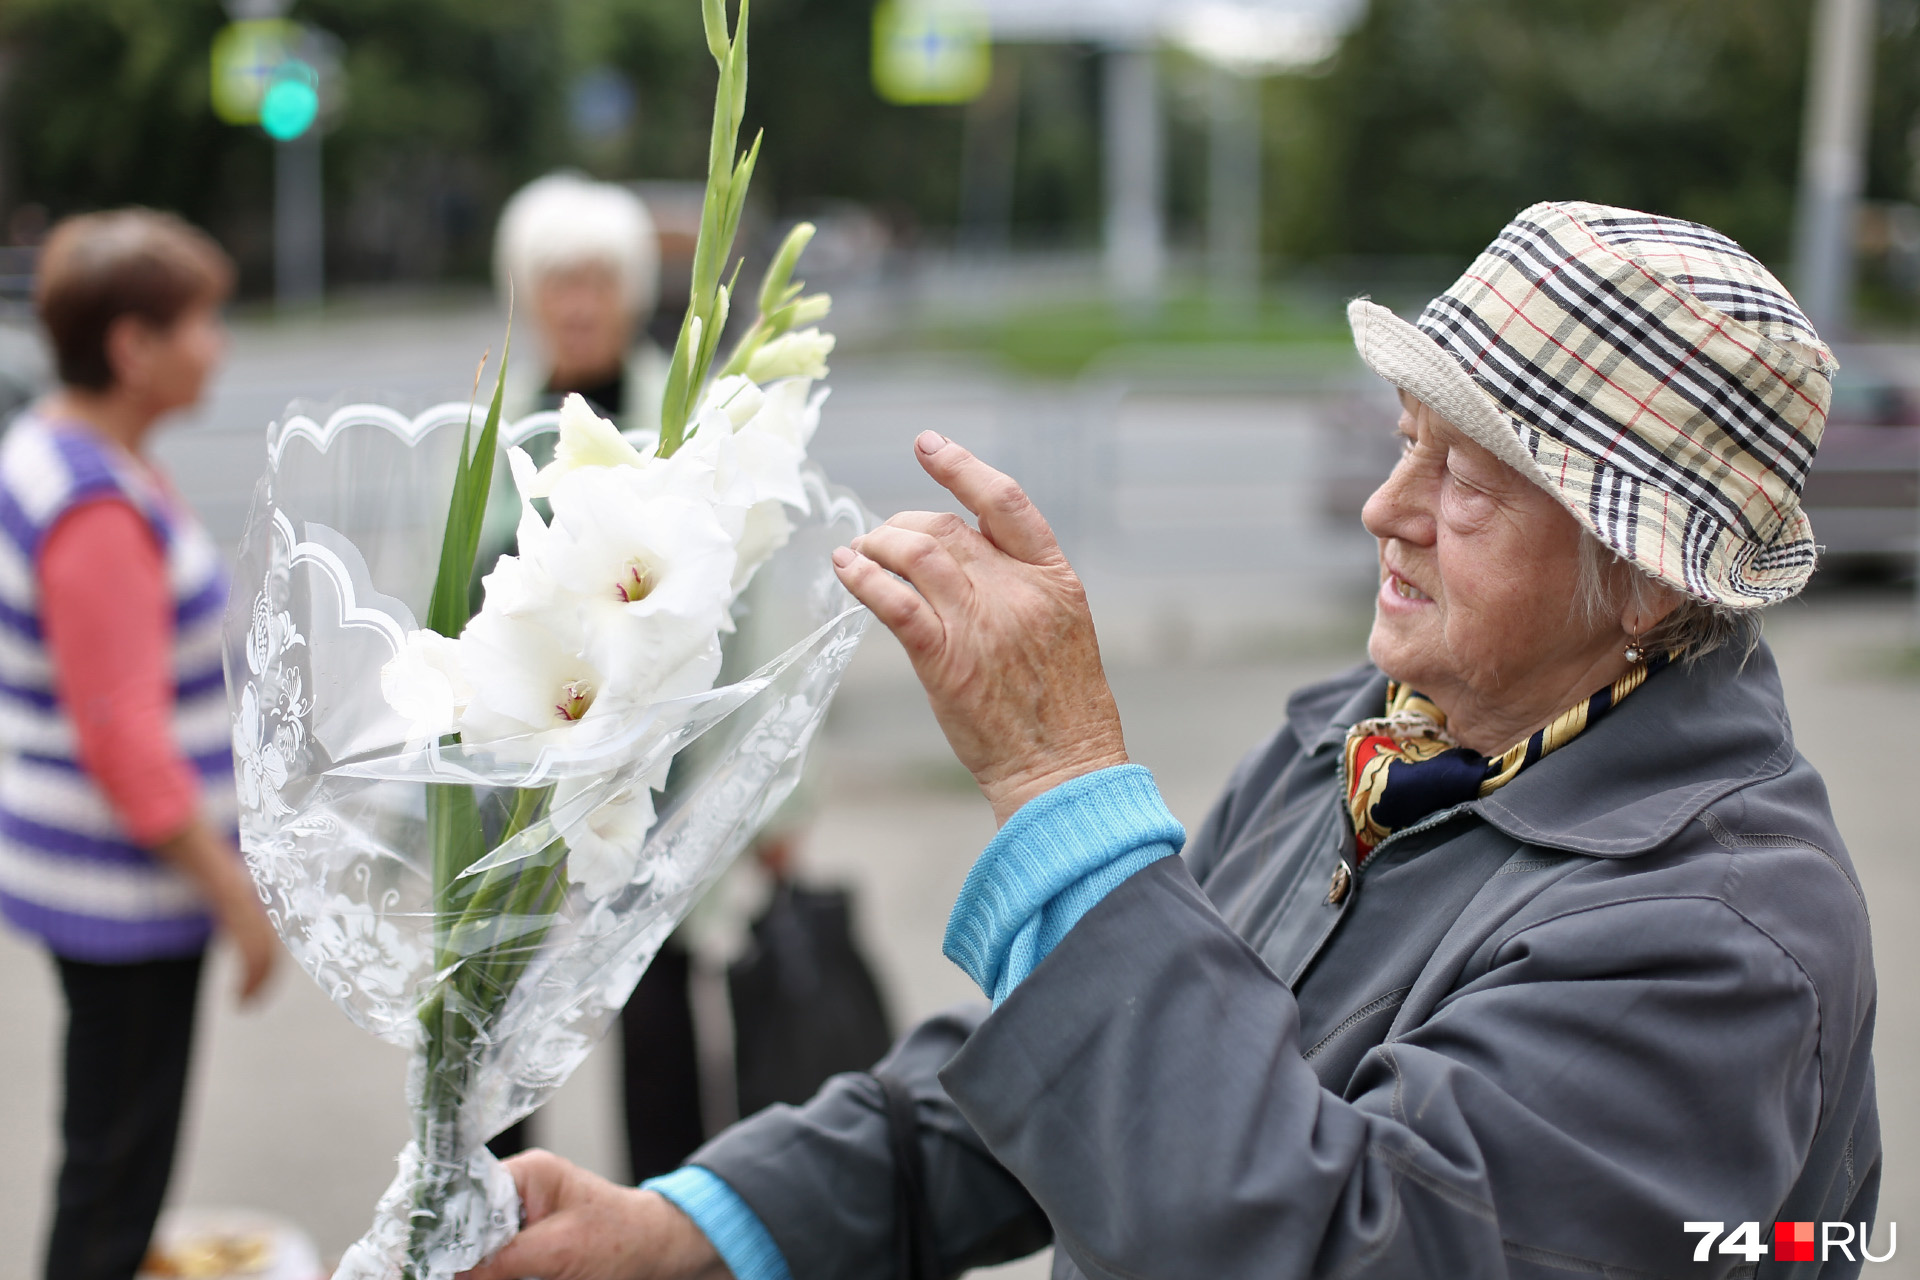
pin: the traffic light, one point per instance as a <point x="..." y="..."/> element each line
<point x="292" y="101"/>
<point x="277" y="74"/>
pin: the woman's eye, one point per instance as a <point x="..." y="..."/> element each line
<point x="1459" y="477"/>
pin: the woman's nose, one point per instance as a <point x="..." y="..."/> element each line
<point x="1397" y="509"/>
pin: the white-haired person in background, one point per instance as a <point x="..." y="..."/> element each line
<point x="582" y="260"/>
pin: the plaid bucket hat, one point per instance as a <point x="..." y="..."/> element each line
<point x="1647" y="372"/>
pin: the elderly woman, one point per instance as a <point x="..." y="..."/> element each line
<point x="1511" y="953"/>
<point x="582" y="260"/>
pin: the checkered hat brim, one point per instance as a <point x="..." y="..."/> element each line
<point x="1649" y="373"/>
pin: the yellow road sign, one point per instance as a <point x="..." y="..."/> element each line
<point x="930" y="51"/>
<point x="246" y="56"/>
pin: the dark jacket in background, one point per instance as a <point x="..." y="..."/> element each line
<point x="1631" y="989"/>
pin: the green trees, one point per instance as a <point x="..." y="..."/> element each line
<point x="105" y="102"/>
<point x="1435" y="121"/>
<point x="450" y="104"/>
<point x="1439" y="119"/>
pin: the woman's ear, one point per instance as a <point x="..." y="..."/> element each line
<point x="129" y="344"/>
<point x="1648" y="604"/>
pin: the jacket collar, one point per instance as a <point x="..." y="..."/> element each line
<point x="1689" y="736"/>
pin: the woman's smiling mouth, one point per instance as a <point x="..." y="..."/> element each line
<point x="1397" y="589"/>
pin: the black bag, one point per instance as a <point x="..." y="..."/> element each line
<point x="805" y="1004"/>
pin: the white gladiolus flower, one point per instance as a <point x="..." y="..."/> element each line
<point x="518" y="587"/>
<point x="771" y="464"/>
<point x="615" y="544"/>
<point x="603" y="849"/>
<point x="708" y="465"/>
<point x="789" y="409"/>
<point x="802" y="354"/>
<point x="526" y="677"/>
<point x="652" y="659"/>
<point x="586" y="440"/>
<point x="765" y="530"/>
<point x="424" y="683"/>
<point x="736" y="396"/>
<point x="650" y="575"/>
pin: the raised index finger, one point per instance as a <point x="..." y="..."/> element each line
<point x="1007" y="516"/>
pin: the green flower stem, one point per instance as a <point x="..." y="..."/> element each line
<point x="475" y="982"/>
<point x="728" y="176"/>
<point x="451" y="1028"/>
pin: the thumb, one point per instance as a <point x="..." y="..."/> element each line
<point x="541" y="1179"/>
<point x="538" y="1250"/>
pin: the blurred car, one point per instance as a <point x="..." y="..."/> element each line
<point x="1863" y="494"/>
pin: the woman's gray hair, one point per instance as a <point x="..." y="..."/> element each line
<point x="1609" y="584"/>
<point x="567" y="220"/>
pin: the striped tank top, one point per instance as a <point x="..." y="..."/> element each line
<point x="68" y="872"/>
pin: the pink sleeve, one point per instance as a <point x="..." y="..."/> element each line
<point x="108" y="618"/>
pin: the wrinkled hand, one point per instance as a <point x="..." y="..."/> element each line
<point x="997" y="626"/>
<point x="579" y="1226"/>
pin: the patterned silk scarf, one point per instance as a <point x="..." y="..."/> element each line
<point x="1403" y="765"/>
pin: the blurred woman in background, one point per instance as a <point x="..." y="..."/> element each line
<point x="116" y="775"/>
<point x="582" y="260"/>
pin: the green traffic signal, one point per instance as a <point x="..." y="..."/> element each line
<point x="291" y="102"/>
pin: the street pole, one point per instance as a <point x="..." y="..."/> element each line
<point x="1132" y="151"/>
<point x="990" y="139"/>
<point x="1833" y="160"/>
<point x="299" y="242"/>
<point x="1233" y="193"/>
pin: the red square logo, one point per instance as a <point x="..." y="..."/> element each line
<point x="1793" y="1242"/>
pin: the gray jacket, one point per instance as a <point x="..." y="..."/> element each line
<point x="1631" y="989"/>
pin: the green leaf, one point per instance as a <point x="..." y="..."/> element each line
<point x="451" y="604"/>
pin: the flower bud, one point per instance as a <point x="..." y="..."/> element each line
<point x="796" y="355"/>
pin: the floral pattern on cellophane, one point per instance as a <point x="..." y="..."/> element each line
<point x="331" y="578"/>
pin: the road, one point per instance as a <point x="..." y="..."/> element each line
<point x="1196" y="509"/>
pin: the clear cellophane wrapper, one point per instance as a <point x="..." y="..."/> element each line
<point x="502" y="981"/>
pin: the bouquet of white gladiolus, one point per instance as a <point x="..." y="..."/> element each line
<point x="454" y="825"/>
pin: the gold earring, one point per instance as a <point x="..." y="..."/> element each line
<point x="1635" y="651"/>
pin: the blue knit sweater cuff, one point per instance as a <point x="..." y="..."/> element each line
<point x="737" y="1233"/>
<point x="1053" y="862"/>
